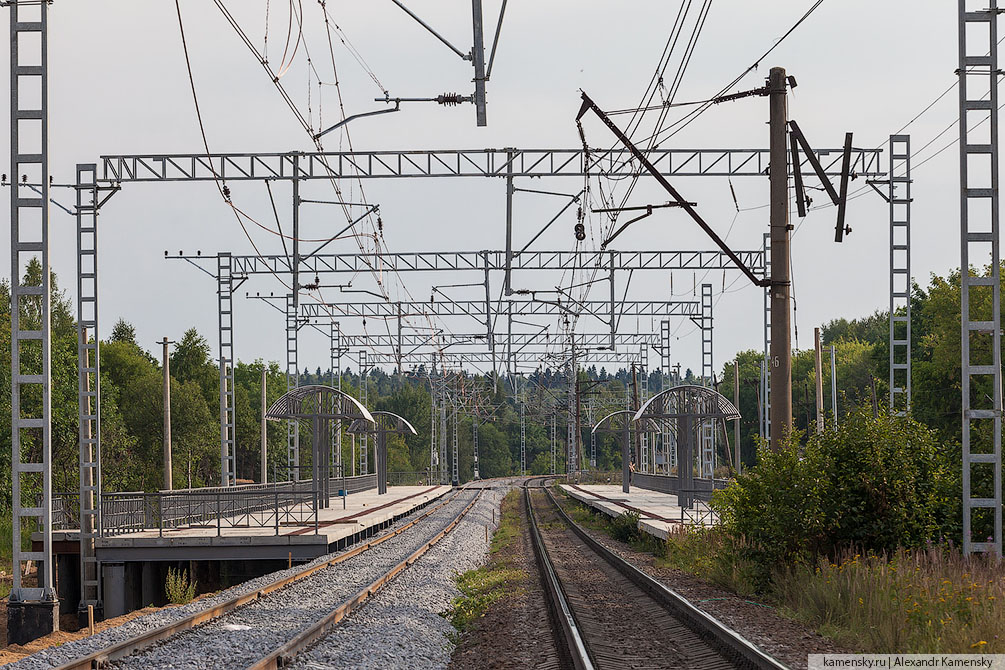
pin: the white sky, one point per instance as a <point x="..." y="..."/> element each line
<point x="118" y="85"/>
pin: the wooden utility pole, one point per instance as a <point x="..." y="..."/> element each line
<point x="265" y="460"/>
<point x="820" y="379"/>
<point x="781" y="317"/>
<point x="167" y="415"/>
<point x="736" y="404"/>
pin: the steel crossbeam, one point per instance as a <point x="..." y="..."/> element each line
<point x="454" y="360"/>
<point x="590" y="340"/>
<point x="494" y="261"/>
<point x="476" y="309"/>
<point x="460" y="163"/>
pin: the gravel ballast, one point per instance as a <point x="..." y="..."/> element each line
<point x="401" y="626"/>
<point x="414" y="537"/>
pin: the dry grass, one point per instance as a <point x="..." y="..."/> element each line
<point x="922" y="601"/>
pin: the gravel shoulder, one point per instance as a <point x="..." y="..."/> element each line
<point x="788" y="641"/>
<point x="402" y="626"/>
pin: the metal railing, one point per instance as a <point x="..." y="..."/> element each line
<point x="223" y="507"/>
<point x="703" y="488"/>
<point x="409" y="479"/>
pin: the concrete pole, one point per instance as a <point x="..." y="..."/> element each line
<point x="264" y="439"/>
<point x="736" y="403"/>
<point x="819" y="369"/>
<point x="167" y="415"/>
<point x="781" y="316"/>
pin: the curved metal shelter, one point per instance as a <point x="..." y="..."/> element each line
<point x="687" y="415"/>
<point x="321" y="405"/>
<point x="384" y="424"/>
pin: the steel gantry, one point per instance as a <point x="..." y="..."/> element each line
<point x="980" y="295"/>
<point x="502" y="163"/>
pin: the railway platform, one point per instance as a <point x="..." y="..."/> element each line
<point x="220" y="550"/>
<point x="658" y="512"/>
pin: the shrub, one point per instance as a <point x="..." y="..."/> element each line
<point x="714" y="555"/>
<point x="625" y="528"/>
<point x="875" y="484"/>
<point x="178" y="588"/>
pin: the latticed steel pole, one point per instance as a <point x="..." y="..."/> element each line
<point x="979" y="234"/>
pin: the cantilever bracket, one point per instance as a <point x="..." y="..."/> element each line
<point x="588" y="104"/>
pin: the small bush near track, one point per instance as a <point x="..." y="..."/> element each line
<point x="714" y="556"/>
<point x="178" y="588"/>
<point x="485" y="585"/>
<point x="625" y="528"/>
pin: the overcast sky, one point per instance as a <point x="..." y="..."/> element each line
<point x="118" y="85"/>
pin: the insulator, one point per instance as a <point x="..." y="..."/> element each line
<point x="449" y="99"/>
<point x="579" y="214"/>
<point x="580" y="231"/>
<point x="380" y="225"/>
<point x="226" y="192"/>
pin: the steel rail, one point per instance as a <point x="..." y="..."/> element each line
<point x="283" y="655"/>
<point x="103" y="657"/>
<point x="727" y="641"/>
<point x="557" y="602"/>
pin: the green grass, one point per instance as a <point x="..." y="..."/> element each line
<point x="483" y="586"/>
<point x="930" y="600"/>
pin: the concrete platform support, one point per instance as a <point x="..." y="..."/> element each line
<point x="68" y="582"/>
<point x="27" y="621"/>
<point x="114" y="587"/>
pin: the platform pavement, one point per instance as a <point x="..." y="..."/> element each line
<point x="337" y="526"/>
<point x="658" y="512"/>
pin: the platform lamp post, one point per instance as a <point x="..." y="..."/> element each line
<point x="626" y="441"/>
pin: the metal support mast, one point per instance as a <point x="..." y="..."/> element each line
<point x="454" y="474"/>
<point x="225" y="299"/>
<point x="88" y="385"/>
<point x="899" y="196"/>
<point x="292" y="381"/>
<point x="364" y="374"/>
<point x="31" y="422"/>
<point x="979" y="232"/>
<point x="765" y="413"/>
<point x="474" y="444"/>
<point x="554" y="449"/>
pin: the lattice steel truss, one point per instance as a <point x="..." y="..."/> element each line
<point x="225" y="299"/>
<point x="364" y="375"/>
<point x="461" y="163"/>
<point x="899" y="198"/>
<point x="292" y="382"/>
<point x="980" y="295"/>
<point x="88" y="372"/>
<point x="765" y="417"/>
<point x="31" y="378"/>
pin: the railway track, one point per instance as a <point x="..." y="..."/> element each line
<point x="266" y="628"/>
<point x="611" y="615"/>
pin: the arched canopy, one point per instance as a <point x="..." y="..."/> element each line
<point x="688" y="400"/>
<point x="385" y="422"/>
<point x="610" y="416"/>
<point x="318" y="401"/>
